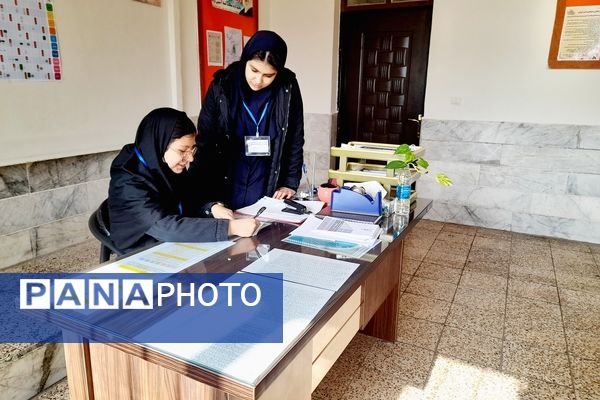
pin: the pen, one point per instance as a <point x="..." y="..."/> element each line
<point x="260" y="211"/>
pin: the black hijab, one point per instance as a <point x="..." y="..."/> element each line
<point x="154" y="134"/>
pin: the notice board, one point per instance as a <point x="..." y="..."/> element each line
<point x="224" y="26"/>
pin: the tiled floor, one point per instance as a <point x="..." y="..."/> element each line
<point x="484" y="315"/>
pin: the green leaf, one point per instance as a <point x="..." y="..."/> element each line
<point x="403" y="149"/>
<point x="396" y="164"/>
<point x="443" y="180"/>
<point x="422" y="163"/>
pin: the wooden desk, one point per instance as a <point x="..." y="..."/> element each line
<point x="368" y="301"/>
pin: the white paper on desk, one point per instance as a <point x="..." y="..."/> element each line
<point x="331" y="228"/>
<point x="169" y="257"/>
<point x="274" y="209"/>
<point x="306" y="269"/>
<point x="250" y="362"/>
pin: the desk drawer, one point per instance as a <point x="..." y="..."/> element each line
<point x="335" y="323"/>
<point x="334" y="349"/>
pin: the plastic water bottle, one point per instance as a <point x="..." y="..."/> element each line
<point x="402" y="200"/>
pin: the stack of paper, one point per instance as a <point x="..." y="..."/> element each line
<point x="352" y="239"/>
<point x="274" y="210"/>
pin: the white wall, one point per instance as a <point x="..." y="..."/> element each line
<point x="117" y="65"/>
<point x="311" y="31"/>
<point x="491" y="57"/>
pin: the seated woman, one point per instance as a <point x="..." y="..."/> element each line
<point x="149" y="197"/>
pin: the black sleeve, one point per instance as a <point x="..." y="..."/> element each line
<point x="174" y="228"/>
<point x="293" y="156"/>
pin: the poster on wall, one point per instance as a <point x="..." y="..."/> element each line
<point x="576" y="35"/>
<point x="224" y="26"/>
<point x="233" y="44"/>
<point x="241" y="7"/>
<point x="28" y="41"/>
<point x="214" y="46"/>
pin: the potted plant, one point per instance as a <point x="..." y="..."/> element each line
<point x="419" y="165"/>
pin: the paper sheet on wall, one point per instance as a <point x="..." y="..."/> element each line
<point x="233" y="44"/>
<point x="165" y="258"/>
<point x="306" y="269"/>
<point x="28" y="40"/>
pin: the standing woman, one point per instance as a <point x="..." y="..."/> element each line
<point x="251" y="127"/>
<point x="150" y="196"/>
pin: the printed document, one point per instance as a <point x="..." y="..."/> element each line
<point x="274" y="210"/>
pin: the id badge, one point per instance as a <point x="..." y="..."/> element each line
<point x="258" y="145"/>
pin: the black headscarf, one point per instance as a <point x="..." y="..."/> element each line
<point x="152" y="139"/>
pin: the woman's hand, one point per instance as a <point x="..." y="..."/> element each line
<point x="220" y="211"/>
<point x="284" y="193"/>
<point x="243" y="227"/>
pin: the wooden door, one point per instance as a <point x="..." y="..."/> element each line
<point x="383" y="69"/>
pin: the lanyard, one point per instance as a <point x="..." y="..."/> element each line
<point x="143" y="161"/>
<point x="264" y="111"/>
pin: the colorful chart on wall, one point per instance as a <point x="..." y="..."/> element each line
<point x="28" y="41"/>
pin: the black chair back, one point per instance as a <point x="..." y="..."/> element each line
<point x="99" y="225"/>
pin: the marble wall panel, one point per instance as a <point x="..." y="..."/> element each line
<point x="523" y="179"/>
<point x="15" y="248"/>
<point x="43" y="175"/>
<point x="460" y="173"/>
<point x="502" y="199"/>
<point x="585" y="231"/>
<point x="483" y="153"/>
<point x="16" y="213"/>
<point x="317" y="132"/>
<point x="52" y="205"/>
<point x="552" y="159"/>
<point x="584" y="184"/>
<point x="460" y="131"/>
<point x="60" y="234"/>
<point x="20" y="379"/>
<point x="429" y="188"/>
<point x="476" y="216"/>
<point x="97" y="193"/>
<point x="57" y="367"/>
<point x="13" y="181"/>
<point x="566" y="206"/>
<point x="589" y="137"/>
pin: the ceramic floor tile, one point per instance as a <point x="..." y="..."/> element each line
<point x="401" y="361"/>
<point x="493" y="234"/>
<point x="423" y="307"/>
<point x="453" y="237"/>
<point x="430" y="225"/>
<point x="476" y="320"/>
<point x="540" y="335"/>
<point x="414" y="252"/>
<point x="574" y="298"/>
<point x="410" y="266"/>
<point x="536" y="363"/>
<point x="542" y="261"/>
<point x="463" y="229"/>
<point x="446" y="259"/>
<point x="528" y="311"/>
<point x="532" y="274"/>
<point x="418" y="332"/>
<point x="453" y="247"/>
<point x="533" y="389"/>
<point x="372" y="384"/>
<point x="479" y="280"/>
<point x="58" y="391"/>
<point x="491" y="244"/>
<point x="586" y="376"/>
<point x="578" y="318"/>
<point x="474" y="348"/>
<point x="453" y="379"/>
<point x="584" y="344"/>
<point x="533" y="290"/>
<point x="431" y="288"/>
<point x="488" y="267"/>
<point x="581" y="270"/>
<point x="479" y="298"/>
<point x="577" y="282"/>
<point x="570" y="245"/>
<point x="521" y="239"/>
<point x="568" y="257"/>
<point x="404" y="281"/>
<point x="439" y="273"/>
<point x="483" y="254"/>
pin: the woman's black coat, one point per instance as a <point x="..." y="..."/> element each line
<point x="144" y="201"/>
<point x="214" y="167"/>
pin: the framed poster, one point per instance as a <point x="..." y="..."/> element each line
<point x="223" y="26"/>
<point x="576" y="35"/>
